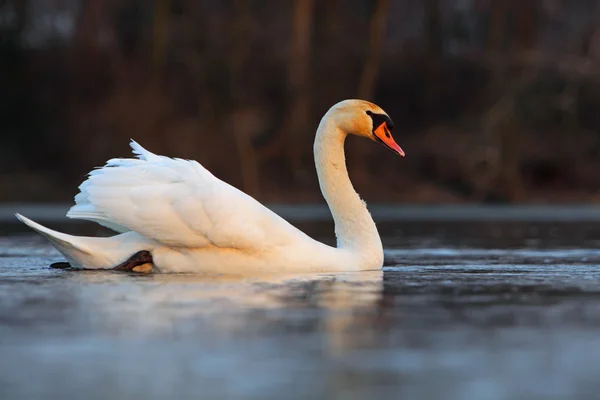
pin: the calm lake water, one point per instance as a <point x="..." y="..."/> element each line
<point x="463" y="310"/>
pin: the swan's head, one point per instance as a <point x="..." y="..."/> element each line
<point x="363" y="118"/>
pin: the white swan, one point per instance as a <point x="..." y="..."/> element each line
<point x="175" y="216"/>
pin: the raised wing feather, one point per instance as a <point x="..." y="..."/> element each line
<point x="178" y="203"/>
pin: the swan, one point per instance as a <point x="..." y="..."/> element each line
<point x="173" y="216"/>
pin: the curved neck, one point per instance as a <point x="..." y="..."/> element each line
<point x="354" y="228"/>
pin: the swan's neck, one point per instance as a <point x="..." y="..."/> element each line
<point x="354" y="228"/>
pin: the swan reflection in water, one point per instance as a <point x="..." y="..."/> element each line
<point x="339" y="306"/>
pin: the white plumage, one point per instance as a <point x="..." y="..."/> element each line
<point x="191" y="221"/>
<point x="175" y="202"/>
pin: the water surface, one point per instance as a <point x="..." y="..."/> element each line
<point x="462" y="310"/>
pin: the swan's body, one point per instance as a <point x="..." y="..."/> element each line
<point x="190" y="221"/>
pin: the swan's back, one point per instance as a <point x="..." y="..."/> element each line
<point x="178" y="203"/>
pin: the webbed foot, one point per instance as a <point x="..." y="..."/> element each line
<point x="136" y="262"/>
<point x="60" y="265"/>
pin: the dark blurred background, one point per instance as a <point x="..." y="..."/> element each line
<point x="494" y="100"/>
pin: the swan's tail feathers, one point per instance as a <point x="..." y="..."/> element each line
<point x="67" y="245"/>
<point x="92" y="252"/>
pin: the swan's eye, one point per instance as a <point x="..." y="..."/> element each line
<point x="379" y="119"/>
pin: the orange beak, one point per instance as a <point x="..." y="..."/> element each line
<point x="383" y="135"/>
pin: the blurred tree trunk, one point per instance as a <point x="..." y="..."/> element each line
<point x="85" y="61"/>
<point x="332" y="79"/>
<point x="433" y="55"/>
<point x="501" y="126"/>
<point x="199" y="68"/>
<point x="193" y="50"/>
<point x="525" y="23"/>
<point x="161" y="21"/>
<point x="377" y="29"/>
<point x="245" y="117"/>
<point x="484" y="157"/>
<point x="498" y="20"/>
<point x="433" y="28"/>
<point x="15" y="88"/>
<point x="523" y="40"/>
<point x="296" y="125"/>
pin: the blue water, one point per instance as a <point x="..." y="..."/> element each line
<point x="457" y="313"/>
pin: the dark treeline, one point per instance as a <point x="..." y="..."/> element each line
<point x="494" y="100"/>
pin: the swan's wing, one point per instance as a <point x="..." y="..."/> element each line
<point x="178" y="203"/>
